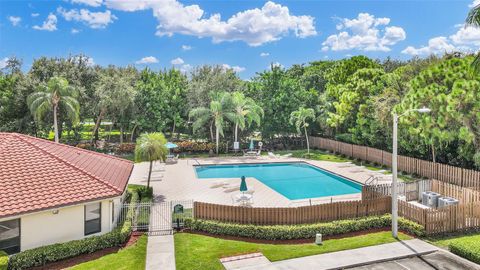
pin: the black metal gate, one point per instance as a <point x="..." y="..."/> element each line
<point x="159" y="218"/>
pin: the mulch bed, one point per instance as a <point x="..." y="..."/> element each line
<point x="292" y="241"/>
<point x="64" y="264"/>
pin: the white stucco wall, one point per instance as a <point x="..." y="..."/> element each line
<point x="44" y="228"/>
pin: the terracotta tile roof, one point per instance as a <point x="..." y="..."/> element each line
<point x="37" y="174"/>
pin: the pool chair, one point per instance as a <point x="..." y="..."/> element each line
<point x="286" y="155"/>
<point x="231" y="188"/>
<point x="272" y="155"/>
<point x="159" y="168"/>
<point x="218" y="184"/>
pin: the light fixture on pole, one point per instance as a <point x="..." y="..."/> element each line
<point x="394" y="167"/>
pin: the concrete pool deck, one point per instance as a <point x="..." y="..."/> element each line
<point x="179" y="181"/>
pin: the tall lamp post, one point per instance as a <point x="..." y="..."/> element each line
<point x="394" y="168"/>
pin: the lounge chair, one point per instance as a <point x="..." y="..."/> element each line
<point x="218" y="184"/>
<point x="272" y="155"/>
<point x="231" y="188"/>
<point x="287" y="155"/>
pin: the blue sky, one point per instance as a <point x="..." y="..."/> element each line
<point x="245" y="35"/>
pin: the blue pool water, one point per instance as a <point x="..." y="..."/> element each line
<point x="292" y="180"/>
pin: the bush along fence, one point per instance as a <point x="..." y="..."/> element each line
<point x="292" y="215"/>
<point x="301" y="231"/>
<point x="462" y="217"/>
<point x="446" y="173"/>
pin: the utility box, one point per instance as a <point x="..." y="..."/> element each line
<point x="318" y="239"/>
<point x="430" y="198"/>
<point x="446" y="201"/>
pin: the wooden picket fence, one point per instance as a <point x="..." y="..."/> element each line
<point x="442" y="172"/>
<point x="409" y="191"/>
<point x="292" y="215"/>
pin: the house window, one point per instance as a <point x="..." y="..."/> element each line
<point x="93" y="218"/>
<point x="10" y="236"/>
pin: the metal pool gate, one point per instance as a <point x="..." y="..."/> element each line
<point x="159" y="218"/>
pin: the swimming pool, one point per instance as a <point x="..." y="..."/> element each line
<point x="293" y="180"/>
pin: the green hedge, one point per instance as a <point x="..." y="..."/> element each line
<point x="3" y="260"/>
<point x="468" y="249"/>
<point x="303" y="231"/>
<point x="56" y="252"/>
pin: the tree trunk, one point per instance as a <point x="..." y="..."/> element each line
<point x="306" y="136"/>
<point x="217" y="138"/>
<point x="433" y="154"/>
<point x="55" y="124"/>
<point x="121" y="133"/>
<point x="97" y="125"/>
<point x="236" y="132"/>
<point x="211" y="131"/>
<point x="110" y="132"/>
<point x="173" y="129"/>
<point x="149" y="173"/>
<point x="133" y="132"/>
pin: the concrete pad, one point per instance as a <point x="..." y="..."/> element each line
<point x="247" y="260"/>
<point x="444" y="260"/>
<point x="354" y="257"/>
<point x="160" y="253"/>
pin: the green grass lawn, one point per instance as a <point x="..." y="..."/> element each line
<point x="202" y="252"/>
<point x="129" y="258"/>
<point x="315" y="155"/>
<point x="444" y="241"/>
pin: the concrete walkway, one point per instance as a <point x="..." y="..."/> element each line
<point x="349" y="258"/>
<point x="160" y="253"/>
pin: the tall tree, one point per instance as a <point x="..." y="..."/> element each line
<point x="114" y="95"/>
<point x="246" y="111"/>
<point x="151" y="147"/>
<point x="473" y="19"/>
<point x="219" y="111"/>
<point x="50" y="97"/>
<point x="299" y="119"/>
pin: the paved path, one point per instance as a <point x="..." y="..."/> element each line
<point x="160" y="253"/>
<point x="351" y="258"/>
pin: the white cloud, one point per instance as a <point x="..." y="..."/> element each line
<point x="474" y="3"/>
<point x="186" y="68"/>
<point x="236" y="69"/>
<point x="466" y="39"/>
<point x="3" y="63"/>
<point x="437" y="45"/>
<point x="186" y="47"/>
<point x="92" y="19"/>
<point x="14" y="20"/>
<point x="365" y="33"/>
<point x="264" y="54"/>
<point x="177" y="61"/>
<point x="93" y="3"/>
<point x="75" y="31"/>
<point x="50" y="24"/>
<point x="147" y="60"/>
<point x="35" y="14"/>
<point x="254" y="26"/>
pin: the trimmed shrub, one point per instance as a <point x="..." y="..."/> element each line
<point x="466" y="248"/>
<point x="303" y="231"/>
<point x="3" y="260"/>
<point x="52" y="253"/>
<point x="126" y="148"/>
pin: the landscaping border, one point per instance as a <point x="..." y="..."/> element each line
<point x="302" y="231"/>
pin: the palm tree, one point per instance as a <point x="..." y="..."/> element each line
<point x="219" y="111"/>
<point x="50" y="97"/>
<point x="300" y="118"/>
<point x="473" y="19"/>
<point x="246" y="111"/>
<point x="151" y="147"/>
